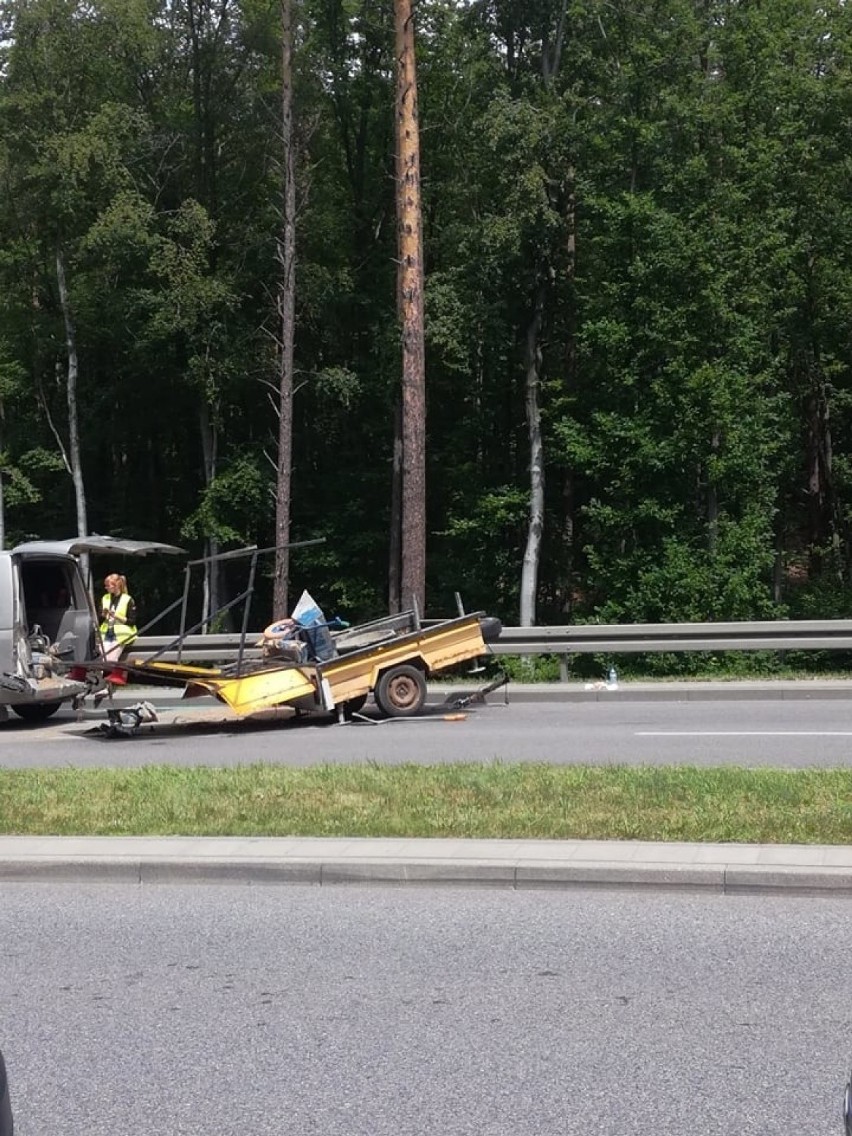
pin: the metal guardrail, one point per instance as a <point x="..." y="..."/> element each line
<point x="195" y="648"/>
<point x="577" y="639"/>
<point x="641" y="638"/>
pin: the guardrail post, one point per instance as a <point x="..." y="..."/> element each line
<point x="564" y="668"/>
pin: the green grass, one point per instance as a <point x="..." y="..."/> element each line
<point x="468" y="800"/>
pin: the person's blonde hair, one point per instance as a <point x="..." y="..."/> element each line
<point x="114" y="577"/>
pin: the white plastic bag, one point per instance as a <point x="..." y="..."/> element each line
<point x="308" y="615"/>
<point x="307" y="611"/>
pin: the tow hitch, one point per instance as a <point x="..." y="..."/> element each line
<point x="124" y="721"/>
<point x="459" y="701"/>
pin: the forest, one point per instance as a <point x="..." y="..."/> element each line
<point x="637" y="262"/>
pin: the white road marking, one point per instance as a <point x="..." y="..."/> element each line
<point x="743" y="734"/>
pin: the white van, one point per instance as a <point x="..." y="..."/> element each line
<point x="48" y="620"/>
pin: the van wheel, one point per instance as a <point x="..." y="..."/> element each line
<point x="36" y="711"/>
<point x="400" y="691"/>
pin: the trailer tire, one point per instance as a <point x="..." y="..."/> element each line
<point x="491" y="628"/>
<point x="36" y="711"/>
<point x="400" y="691"/>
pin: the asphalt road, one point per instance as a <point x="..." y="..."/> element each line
<point x="753" y="733"/>
<point x="374" y="1012"/>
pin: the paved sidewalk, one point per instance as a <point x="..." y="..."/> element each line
<point x="708" y="868"/>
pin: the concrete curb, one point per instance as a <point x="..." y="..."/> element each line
<point x="676" y="692"/>
<point x="780" y="690"/>
<point x="518" y="865"/>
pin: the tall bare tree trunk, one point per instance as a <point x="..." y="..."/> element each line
<point x="571" y="368"/>
<point x="824" y="524"/>
<point x="551" y="59"/>
<point x="532" y="552"/>
<point x="211" y="600"/>
<point x="713" y="496"/>
<point x="286" y="255"/>
<point x="410" y="299"/>
<point x="394" y="552"/>
<point x="73" y="459"/>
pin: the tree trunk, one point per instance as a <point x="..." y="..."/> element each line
<point x="212" y="570"/>
<point x="532" y="552"/>
<point x="394" y="591"/>
<point x="409" y="221"/>
<point x="286" y="255"/>
<point x="822" y="529"/>
<point x="778" y="561"/>
<point x="567" y="589"/>
<point x="75" y="464"/>
<point x="713" y="497"/>
<point x="551" y="59"/>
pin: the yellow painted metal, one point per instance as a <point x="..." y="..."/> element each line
<point x="172" y="670"/>
<point x="245" y="693"/>
<point x="248" y="693"/>
<point x="349" y="676"/>
<point x="432" y="648"/>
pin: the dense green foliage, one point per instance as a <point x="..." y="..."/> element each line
<point x="671" y="180"/>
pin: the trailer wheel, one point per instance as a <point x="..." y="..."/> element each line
<point x="491" y="628"/>
<point x="36" y="711"/>
<point x="400" y="691"/>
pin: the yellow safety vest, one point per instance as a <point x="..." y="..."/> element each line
<point x="123" y="631"/>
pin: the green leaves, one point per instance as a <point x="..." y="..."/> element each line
<point x="187" y="295"/>
<point x="232" y="507"/>
<point x="674" y="182"/>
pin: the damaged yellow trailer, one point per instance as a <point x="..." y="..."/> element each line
<point x="390" y="658"/>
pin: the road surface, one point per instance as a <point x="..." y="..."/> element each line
<point x="375" y="1012"/>
<point x="754" y="733"/>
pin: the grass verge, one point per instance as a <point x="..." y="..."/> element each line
<point x="470" y="800"/>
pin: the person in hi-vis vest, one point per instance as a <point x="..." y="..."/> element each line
<point x="118" y="622"/>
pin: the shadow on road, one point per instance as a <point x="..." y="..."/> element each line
<point x="221" y="723"/>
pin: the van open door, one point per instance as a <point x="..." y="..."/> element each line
<point x="48" y="621"/>
<point x="76" y="546"/>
